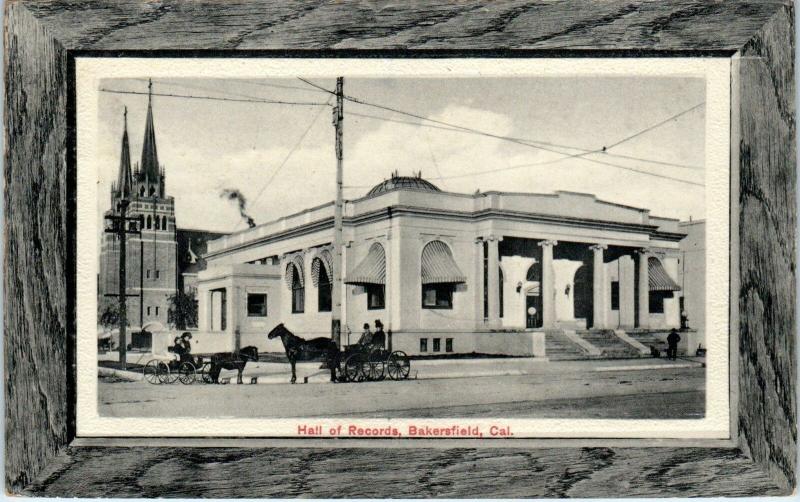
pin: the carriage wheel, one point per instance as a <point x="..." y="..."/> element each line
<point x="205" y="373"/>
<point x="376" y="365"/>
<point x="398" y="365"/>
<point x="151" y="370"/>
<point x="186" y="373"/>
<point x="353" y="368"/>
<point x="162" y="370"/>
<point x="168" y="373"/>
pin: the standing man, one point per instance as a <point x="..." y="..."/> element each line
<point x="672" y="344"/>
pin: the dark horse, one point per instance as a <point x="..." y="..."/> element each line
<point x="232" y="361"/>
<point x="296" y="346"/>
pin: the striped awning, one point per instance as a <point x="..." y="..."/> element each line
<point x="322" y="260"/>
<point x="372" y="269"/>
<point x="438" y="265"/>
<point x="659" y="279"/>
<point x="296" y="262"/>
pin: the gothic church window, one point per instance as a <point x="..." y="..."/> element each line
<point x="149" y="222"/>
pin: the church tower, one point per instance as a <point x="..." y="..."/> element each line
<point x="151" y="258"/>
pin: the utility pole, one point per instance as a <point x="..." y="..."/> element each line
<point x="336" y="314"/>
<point x="119" y="226"/>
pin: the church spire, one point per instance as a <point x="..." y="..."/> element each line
<point x="150" y="167"/>
<point x="124" y="179"/>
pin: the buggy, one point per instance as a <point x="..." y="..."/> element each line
<point x="372" y="362"/>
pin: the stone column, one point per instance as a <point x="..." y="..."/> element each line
<point x="548" y="284"/>
<point x="599" y="307"/>
<point x="643" y="289"/>
<point x="493" y="283"/>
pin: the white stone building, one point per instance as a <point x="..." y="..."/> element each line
<point x="445" y="272"/>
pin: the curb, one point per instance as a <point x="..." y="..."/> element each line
<point x="130" y="376"/>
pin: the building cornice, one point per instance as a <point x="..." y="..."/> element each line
<point x="480" y="215"/>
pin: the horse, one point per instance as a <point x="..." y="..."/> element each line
<point x="296" y="346"/>
<point x="232" y="361"/>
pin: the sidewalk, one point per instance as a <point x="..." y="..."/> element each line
<point x="430" y="369"/>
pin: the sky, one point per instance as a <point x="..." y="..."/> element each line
<point x="281" y="156"/>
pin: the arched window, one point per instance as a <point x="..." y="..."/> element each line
<point x="298" y="291"/>
<point x="149" y="222"/>
<point x="158" y="223"/>
<point x="440" y="274"/>
<point x="141" y="191"/>
<point x="324" y="286"/>
<point x="163" y="222"/>
<point x="152" y="191"/>
<point x="534" y="273"/>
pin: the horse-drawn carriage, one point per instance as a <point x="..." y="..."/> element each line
<point x="356" y="363"/>
<point x="188" y="369"/>
<point x="169" y="369"/>
<point x="360" y="363"/>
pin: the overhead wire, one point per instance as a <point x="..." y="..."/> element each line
<point x="568" y="147"/>
<point x="289" y="155"/>
<point x="525" y="143"/>
<point x="215" y="98"/>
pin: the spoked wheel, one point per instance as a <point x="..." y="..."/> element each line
<point x="398" y="365"/>
<point x="353" y="368"/>
<point x="162" y="370"/>
<point x="168" y="374"/>
<point x="205" y="373"/>
<point x="186" y="373"/>
<point x="376" y="365"/>
<point x="151" y="370"/>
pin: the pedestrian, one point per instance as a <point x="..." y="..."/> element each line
<point x="366" y="336"/>
<point x="379" y="338"/>
<point x="672" y="344"/>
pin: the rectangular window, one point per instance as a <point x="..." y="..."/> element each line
<point x="448" y="345"/>
<point x="298" y="300"/>
<point x="437" y="296"/>
<point x="158" y="274"/>
<point x="437" y="344"/>
<point x="256" y="305"/>
<point x="423" y="345"/>
<point x="148" y="310"/>
<point x="148" y="273"/>
<point x="376" y="296"/>
<point x="615" y="295"/>
<point x="156" y="310"/>
<point x="656" y="303"/>
<point x="324" y="300"/>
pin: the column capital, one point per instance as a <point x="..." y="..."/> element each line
<point x="598" y="247"/>
<point x="643" y="251"/>
<point x="492" y="238"/>
<point x="547" y="243"/>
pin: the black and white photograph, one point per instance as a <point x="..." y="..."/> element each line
<point x="473" y="251"/>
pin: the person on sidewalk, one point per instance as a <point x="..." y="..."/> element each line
<point x="672" y="344"/>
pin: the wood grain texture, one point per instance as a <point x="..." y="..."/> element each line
<point x="359" y="473"/>
<point x="767" y="236"/>
<point x="35" y="341"/>
<point x="39" y="36"/>
<point x="434" y="24"/>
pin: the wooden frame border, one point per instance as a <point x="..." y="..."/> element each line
<point x="41" y="40"/>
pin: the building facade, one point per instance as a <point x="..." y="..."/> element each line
<point x="446" y="272"/>
<point x="160" y="261"/>
<point x="692" y="279"/>
<point x="151" y="260"/>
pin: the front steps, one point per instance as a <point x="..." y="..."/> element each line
<point x="569" y="345"/>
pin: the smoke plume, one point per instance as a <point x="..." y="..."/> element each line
<point x="234" y="194"/>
